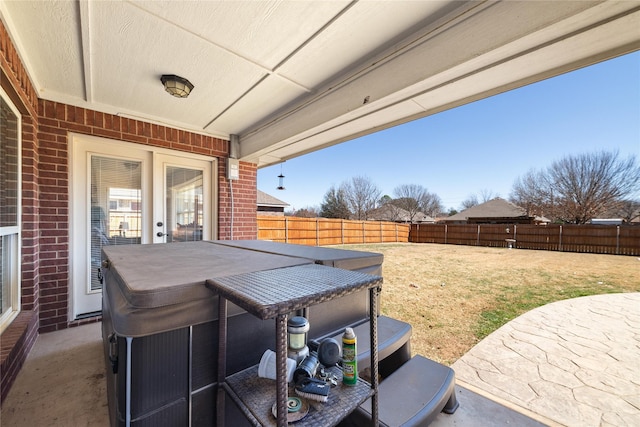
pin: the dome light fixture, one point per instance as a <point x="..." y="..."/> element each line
<point x="176" y="85"/>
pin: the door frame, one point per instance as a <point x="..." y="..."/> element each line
<point x="81" y="148"/>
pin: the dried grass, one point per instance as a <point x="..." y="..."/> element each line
<point x="455" y="295"/>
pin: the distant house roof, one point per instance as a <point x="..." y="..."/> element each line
<point x="265" y="199"/>
<point x="496" y="209"/>
<point x="390" y="212"/>
<point x="542" y="220"/>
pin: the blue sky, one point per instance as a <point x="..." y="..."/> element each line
<point x="482" y="146"/>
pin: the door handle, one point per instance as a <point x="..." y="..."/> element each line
<point x="160" y="234"/>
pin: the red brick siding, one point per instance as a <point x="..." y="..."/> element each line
<point x="18" y="339"/>
<point x="30" y="217"/>
<point x="16" y="74"/>
<point x="244" y="203"/>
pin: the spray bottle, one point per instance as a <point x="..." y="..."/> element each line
<point x="349" y="358"/>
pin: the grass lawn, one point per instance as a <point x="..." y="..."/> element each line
<point x="454" y="296"/>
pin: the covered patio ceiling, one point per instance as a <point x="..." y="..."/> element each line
<point x="291" y="77"/>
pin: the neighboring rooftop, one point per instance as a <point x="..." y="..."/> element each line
<point x="269" y="205"/>
<point x="265" y="199"/>
<point x="495" y="210"/>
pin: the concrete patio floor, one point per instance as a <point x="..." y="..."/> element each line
<point x="570" y="363"/>
<point x="574" y="362"/>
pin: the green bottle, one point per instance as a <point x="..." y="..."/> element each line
<point x="349" y="358"/>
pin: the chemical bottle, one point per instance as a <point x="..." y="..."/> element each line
<point x="349" y="358"/>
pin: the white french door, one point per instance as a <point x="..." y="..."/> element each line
<point x="127" y="194"/>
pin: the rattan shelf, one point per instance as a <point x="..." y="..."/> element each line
<point x="275" y="294"/>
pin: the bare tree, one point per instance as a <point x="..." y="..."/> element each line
<point x="486" y="195"/>
<point x="532" y="192"/>
<point x="628" y="210"/>
<point x="432" y="205"/>
<point x="590" y="184"/>
<point x="408" y="197"/>
<point x="415" y="199"/>
<point x="473" y="199"/>
<point x="576" y="189"/>
<point x="469" y="202"/>
<point x="361" y="195"/>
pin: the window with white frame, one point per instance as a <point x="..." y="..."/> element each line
<point x="10" y="210"/>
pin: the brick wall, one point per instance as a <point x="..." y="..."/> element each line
<point x="30" y="216"/>
<point x="18" y="339"/>
<point x="245" y="198"/>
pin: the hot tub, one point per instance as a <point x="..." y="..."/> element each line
<point x="160" y="322"/>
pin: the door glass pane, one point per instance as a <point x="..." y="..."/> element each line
<point x="116" y="207"/>
<point x="184" y="204"/>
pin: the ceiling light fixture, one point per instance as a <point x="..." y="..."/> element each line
<point x="176" y="85"/>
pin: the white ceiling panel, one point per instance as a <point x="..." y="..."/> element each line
<point x="169" y="51"/>
<point x="263" y="32"/>
<point x="40" y="48"/>
<point x="269" y="95"/>
<point x="291" y="77"/>
<point x="361" y="32"/>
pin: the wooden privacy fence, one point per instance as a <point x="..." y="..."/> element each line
<point x="598" y="239"/>
<point x="327" y="231"/>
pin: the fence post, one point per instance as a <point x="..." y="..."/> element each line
<point x="618" y="240"/>
<point x="286" y="229"/>
<point x="515" y="231"/>
<point x="478" y="236"/>
<point x="363" y="240"/>
<point x="397" y="232"/>
<point x="317" y="233"/>
<point x="342" y="230"/>
<point x="446" y="230"/>
<point x="560" y="240"/>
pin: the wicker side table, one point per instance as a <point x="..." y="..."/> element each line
<point x="275" y="294"/>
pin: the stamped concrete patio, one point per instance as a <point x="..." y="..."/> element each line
<point x="570" y="363"/>
<point x="574" y="362"/>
